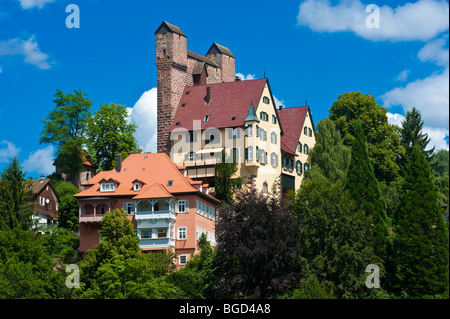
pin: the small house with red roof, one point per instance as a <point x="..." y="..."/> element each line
<point x="167" y="208"/>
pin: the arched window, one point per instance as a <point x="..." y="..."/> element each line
<point x="265" y="188"/>
<point x="306" y="167"/>
<point x="305" y="149"/>
<point x="273" y="137"/>
<point x="298" y="167"/>
<point x="299" y="147"/>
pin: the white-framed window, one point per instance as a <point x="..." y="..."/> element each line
<point x="182" y="233"/>
<point x="249" y="130"/>
<point x="41" y="201"/>
<point x="107" y="187"/>
<point x="137" y="186"/>
<point x="129" y="207"/>
<point x="273" y="138"/>
<point x="183" y="206"/>
<point x="182" y="259"/>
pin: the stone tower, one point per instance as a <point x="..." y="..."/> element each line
<point x="177" y="68"/>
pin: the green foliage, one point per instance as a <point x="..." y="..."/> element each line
<point x="257" y="247"/>
<point x="383" y="141"/>
<point x="197" y="278"/>
<point x="311" y="288"/>
<point x="411" y="135"/>
<point x="116" y="267"/>
<point x="65" y="128"/>
<point x="335" y="242"/>
<point x="61" y="243"/>
<point x="420" y="244"/>
<point x="225" y="186"/>
<point x="68" y="205"/>
<point x="110" y="133"/>
<point x="329" y="157"/>
<point x="15" y="194"/>
<point x="26" y="269"/>
<point x="440" y="170"/>
<point x="364" y="191"/>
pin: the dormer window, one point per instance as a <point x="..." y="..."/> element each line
<point x="136" y="186"/>
<point x="107" y="187"/>
<point x="170" y="183"/>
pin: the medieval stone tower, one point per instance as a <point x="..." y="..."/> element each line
<point x="178" y="67"/>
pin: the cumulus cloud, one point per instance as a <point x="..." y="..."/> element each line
<point x="144" y="115"/>
<point x="435" y="52"/>
<point x="245" y="77"/>
<point x="422" y="20"/>
<point x="29" y="49"/>
<point x="40" y="161"/>
<point x="7" y="152"/>
<point x="28" y="4"/>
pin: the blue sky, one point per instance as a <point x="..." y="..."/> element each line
<point x="314" y="49"/>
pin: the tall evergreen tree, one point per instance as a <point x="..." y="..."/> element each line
<point x="421" y="242"/>
<point x="411" y="135"/>
<point x="365" y="192"/>
<point x="15" y="194"/>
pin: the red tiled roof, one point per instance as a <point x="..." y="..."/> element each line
<point x="150" y="169"/>
<point x="292" y="119"/>
<point x="228" y="100"/>
<point x="154" y="191"/>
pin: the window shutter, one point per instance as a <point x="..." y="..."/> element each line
<point x="186" y="206"/>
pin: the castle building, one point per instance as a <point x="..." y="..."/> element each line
<point x="205" y="111"/>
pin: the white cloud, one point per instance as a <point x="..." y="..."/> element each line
<point x="245" y="77"/>
<point x="28" y="49"/>
<point x="395" y="118"/>
<point x="422" y="20"/>
<point x="144" y="115"/>
<point x="437" y="137"/>
<point x="402" y="76"/>
<point x="278" y="102"/>
<point x="429" y="95"/>
<point x="10" y="151"/>
<point x="435" y="52"/>
<point x="1" y="70"/>
<point x="40" y="161"/>
<point x="28" y="4"/>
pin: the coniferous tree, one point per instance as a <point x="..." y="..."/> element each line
<point x="411" y="135"/>
<point x="420" y="244"/>
<point x="15" y="196"/>
<point x="365" y="192"/>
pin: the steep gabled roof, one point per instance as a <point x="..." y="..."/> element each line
<point x="228" y="100"/>
<point x="215" y="47"/>
<point x="153" y="170"/>
<point x="292" y="120"/>
<point x="168" y="27"/>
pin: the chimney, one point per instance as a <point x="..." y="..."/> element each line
<point x="280" y="108"/>
<point x="208" y="95"/>
<point x="237" y="79"/>
<point x="119" y="162"/>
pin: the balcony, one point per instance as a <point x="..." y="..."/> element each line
<point x="148" y="215"/>
<point x="155" y="243"/>
<point x="91" y="218"/>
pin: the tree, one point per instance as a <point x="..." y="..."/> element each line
<point x="411" y="135"/>
<point x="329" y="157"/>
<point x="383" y="141"/>
<point x="225" y="185"/>
<point x="65" y="127"/>
<point x="257" y="247"/>
<point x="334" y="238"/>
<point x="420" y="243"/>
<point x="110" y="133"/>
<point x="116" y="268"/>
<point x="15" y="196"/>
<point x="197" y="279"/>
<point x="26" y="269"/>
<point x="68" y="205"/>
<point x="364" y="190"/>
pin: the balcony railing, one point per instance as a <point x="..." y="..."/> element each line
<point x="156" y="242"/>
<point x="145" y="215"/>
<point x="91" y="217"/>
